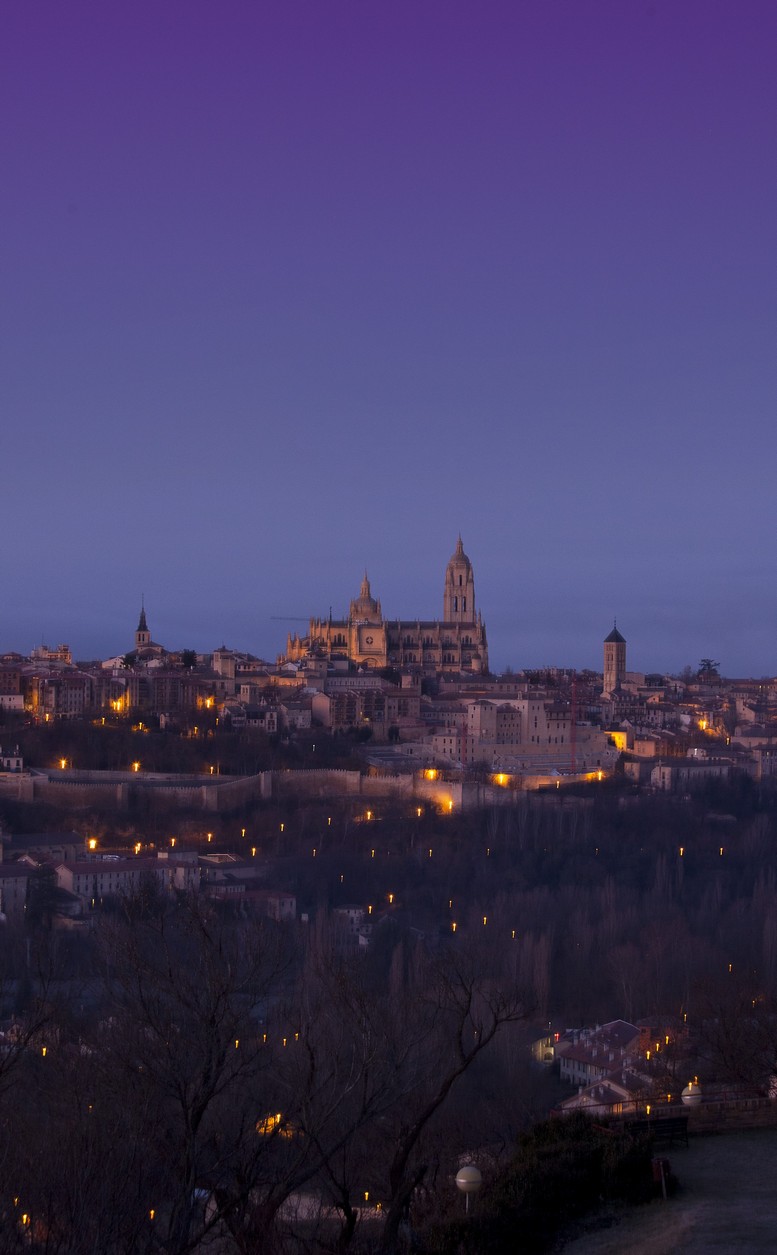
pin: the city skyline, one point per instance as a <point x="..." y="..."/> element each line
<point x="282" y="625"/>
<point x="300" y="290"/>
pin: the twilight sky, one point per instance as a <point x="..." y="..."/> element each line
<point x="294" y="287"/>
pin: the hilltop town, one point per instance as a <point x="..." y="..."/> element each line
<point x="419" y="695"/>
<point x="583" y="861"/>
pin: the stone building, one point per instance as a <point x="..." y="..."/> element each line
<point x="457" y="642"/>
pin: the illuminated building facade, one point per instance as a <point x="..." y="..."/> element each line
<point x="455" y="643"/>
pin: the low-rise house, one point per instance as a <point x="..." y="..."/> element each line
<point x="116" y="877"/>
<point x="264" y="718"/>
<point x="15" y="890"/>
<point x="588" y="1055"/>
<point x="618" y="1093"/>
<point x="296" y="715"/>
<point x="11" y="760"/>
<point x="689" y="773"/>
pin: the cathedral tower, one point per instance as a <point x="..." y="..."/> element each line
<point x="614" y="660"/>
<point x="459" y="593"/>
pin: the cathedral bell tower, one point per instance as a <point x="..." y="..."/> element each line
<point x="459" y="592"/>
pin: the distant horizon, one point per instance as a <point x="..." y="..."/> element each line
<point x="266" y="639"/>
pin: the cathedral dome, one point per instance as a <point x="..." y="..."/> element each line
<point x="365" y="606"/>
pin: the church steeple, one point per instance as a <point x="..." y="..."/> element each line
<point x="142" y="635"/>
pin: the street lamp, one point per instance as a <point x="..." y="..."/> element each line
<point x="691" y="1095"/>
<point x="469" y="1181"/>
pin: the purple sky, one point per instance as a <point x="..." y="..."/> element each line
<point x="293" y="288"/>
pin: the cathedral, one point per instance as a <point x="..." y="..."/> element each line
<point x="457" y="642"/>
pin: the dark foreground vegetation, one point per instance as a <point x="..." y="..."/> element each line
<point x="211" y="1077"/>
<point x="180" y="1081"/>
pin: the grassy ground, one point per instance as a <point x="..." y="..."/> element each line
<point x="727" y="1201"/>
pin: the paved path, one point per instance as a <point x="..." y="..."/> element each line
<point x="727" y="1201"/>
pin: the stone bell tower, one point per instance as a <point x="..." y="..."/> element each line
<point x="614" y="661"/>
<point x="459" y="591"/>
